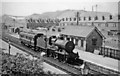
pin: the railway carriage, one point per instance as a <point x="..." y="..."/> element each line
<point x="32" y="40"/>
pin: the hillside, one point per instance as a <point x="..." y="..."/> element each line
<point x="9" y="20"/>
<point x="66" y="13"/>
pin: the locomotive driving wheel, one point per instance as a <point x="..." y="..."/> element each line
<point x="56" y="56"/>
<point x="50" y="54"/>
<point x="65" y="58"/>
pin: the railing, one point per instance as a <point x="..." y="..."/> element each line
<point x="101" y="69"/>
<point x="109" y="52"/>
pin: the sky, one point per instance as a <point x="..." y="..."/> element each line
<point x="28" y="7"/>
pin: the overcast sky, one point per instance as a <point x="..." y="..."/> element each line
<point x="28" y="7"/>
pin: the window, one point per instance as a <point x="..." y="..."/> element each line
<point x="76" y="42"/>
<point x="84" y="18"/>
<point x="89" y="18"/>
<point x="110" y="17"/>
<point x="70" y="19"/>
<point x="74" y="19"/>
<point x="63" y="19"/>
<point x="68" y="39"/>
<point x="28" y="21"/>
<point x="53" y="29"/>
<point x="79" y="18"/>
<point x="34" y="21"/>
<point x="82" y="43"/>
<point x="62" y="38"/>
<point x="59" y="30"/>
<point x="94" y="41"/>
<point x="38" y="21"/>
<point x="96" y="18"/>
<point x="72" y="39"/>
<point x="66" y="19"/>
<point x="103" y="18"/>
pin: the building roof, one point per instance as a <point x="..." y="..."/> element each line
<point x="81" y="31"/>
<point x="82" y="13"/>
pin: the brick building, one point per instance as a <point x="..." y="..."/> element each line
<point x="85" y="38"/>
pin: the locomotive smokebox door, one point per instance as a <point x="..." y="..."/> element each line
<point x="69" y="46"/>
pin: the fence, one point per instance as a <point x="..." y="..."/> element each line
<point x="101" y="69"/>
<point x="109" y="52"/>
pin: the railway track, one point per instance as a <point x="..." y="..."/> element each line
<point x="67" y="68"/>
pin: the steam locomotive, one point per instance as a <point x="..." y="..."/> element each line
<point x="54" y="46"/>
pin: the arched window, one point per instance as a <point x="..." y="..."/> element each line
<point x="74" y="19"/>
<point x="66" y="19"/>
<point x="96" y="18"/>
<point x="70" y="19"/>
<point x="63" y="19"/>
<point x="89" y="18"/>
<point x="103" y="18"/>
<point x="110" y="17"/>
<point x="84" y="18"/>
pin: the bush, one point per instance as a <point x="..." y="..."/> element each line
<point x="18" y="65"/>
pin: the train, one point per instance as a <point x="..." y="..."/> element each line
<point x="53" y="46"/>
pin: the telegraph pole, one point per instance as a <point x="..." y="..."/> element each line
<point x="14" y="24"/>
<point x="92" y="8"/>
<point x="9" y="46"/>
<point x="96" y="8"/>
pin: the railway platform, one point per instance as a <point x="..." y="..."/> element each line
<point x="105" y="62"/>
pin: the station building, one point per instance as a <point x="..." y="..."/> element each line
<point x="85" y="38"/>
